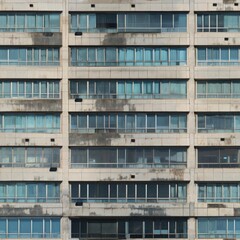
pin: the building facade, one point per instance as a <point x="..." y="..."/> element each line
<point x="120" y="119"/>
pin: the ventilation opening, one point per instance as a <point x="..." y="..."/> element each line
<point x="78" y="33"/>
<point x="78" y="99"/>
<point x="52" y="169"/>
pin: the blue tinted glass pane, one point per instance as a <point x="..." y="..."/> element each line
<point x="13" y="54"/>
<point x="22" y="55"/>
<point x="82" y="55"/>
<point x="46" y="22"/>
<point x="56" y="228"/>
<point x="214" y="54"/>
<point x="11" y="21"/>
<point x="121" y="55"/>
<point x="167" y="20"/>
<point x="25" y="228"/>
<point x="234" y="53"/>
<point x="20" y="22"/>
<point x="3" y="228"/>
<point x="12" y="228"/>
<point x="225" y="54"/>
<point x="199" y="21"/>
<point x="201" y="54"/>
<point x="164" y="55"/>
<point x="3" y="54"/>
<point x="121" y="87"/>
<point x="54" y="22"/>
<point x="83" y="21"/>
<point x="21" y="192"/>
<point x="74" y="23"/>
<point x="139" y="55"/>
<point x="202" y="226"/>
<point x="120" y="21"/>
<point x="39" y="23"/>
<point x="111" y="55"/>
<point x="41" y="192"/>
<point x="182" y="54"/>
<point x="37" y="228"/>
<point x="31" y="192"/>
<point x="154" y="22"/>
<point x="129" y="56"/>
<point x="121" y="121"/>
<point x="92" y="21"/>
<point x="47" y="228"/>
<point x="11" y="192"/>
<point x="148" y="55"/>
<point x="31" y="21"/>
<point x="173" y="55"/>
<point x="30" y="122"/>
<point x="180" y="20"/>
<point x="3" y="22"/>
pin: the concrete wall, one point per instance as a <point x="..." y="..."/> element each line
<point x="64" y="139"/>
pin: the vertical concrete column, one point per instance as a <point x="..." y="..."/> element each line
<point x="192" y="162"/>
<point x="65" y="122"/>
<point x="191" y="86"/>
<point x="191" y="229"/>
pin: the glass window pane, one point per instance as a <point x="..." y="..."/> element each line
<point x="37" y="228"/>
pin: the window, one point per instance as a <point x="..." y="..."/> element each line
<point x="33" y="157"/>
<point x="218" y="192"/>
<point x="218" y="122"/>
<point x="128" y="192"/>
<point x="30" y="122"/>
<point x="128" y="157"/>
<point x="29" y="89"/>
<point x="222" y="157"/>
<point x="29" y="192"/>
<point x="25" y="227"/>
<point x="128" y="22"/>
<point x="128" y="122"/>
<point x="218" y="89"/>
<point x="123" y="89"/>
<point x="29" y="56"/>
<point x="128" y="56"/>
<point x="125" y="228"/>
<point x="218" y="22"/>
<point x="29" y="22"/>
<point x="221" y="227"/>
<point x="218" y="56"/>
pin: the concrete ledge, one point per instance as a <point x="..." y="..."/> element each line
<point x="130" y="39"/>
<point x="130" y="209"/>
<point x="141" y="105"/>
<point x="124" y="5"/>
<point x="216" y="72"/>
<point x="30" y="209"/>
<point x="123" y="139"/>
<point x="35" y="139"/>
<point x="31" y="105"/>
<point x="30" y="174"/>
<point x="124" y="174"/>
<point x="31" y="72"/>
<point x="33" y="39"/>
<point x="138" y="72"/>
